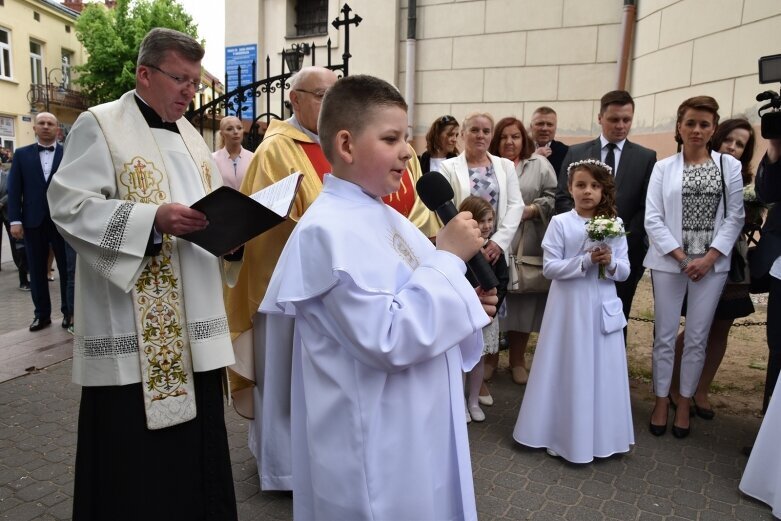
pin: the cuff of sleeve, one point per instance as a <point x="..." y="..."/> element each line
<point x="154" y="244"/>
<point x="447" y="260"/>
<point x="585" y="262"/>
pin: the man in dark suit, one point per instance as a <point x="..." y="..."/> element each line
<point x="28" y="211"/>
<point x="767" y="258"/>
<point x="543" y="131"/>
<point x="632" y="165"/>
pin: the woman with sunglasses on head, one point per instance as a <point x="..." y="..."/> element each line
<point x="693" y="215"/>
<point x="537" y="182"/>
<point x="477" y="172"/>
<point x="441" y="141"/>
<point x="736" y="138"/>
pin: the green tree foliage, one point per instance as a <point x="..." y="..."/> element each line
<point x="111" y="38"/>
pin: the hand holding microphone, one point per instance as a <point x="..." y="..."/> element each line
<point x="461" y="237"/>
<point x="437" y="194"/>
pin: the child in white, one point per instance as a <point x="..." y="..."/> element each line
<point x="484" y="214"/>
<point x="576" y="402"/>
<point x="384" y="325"/>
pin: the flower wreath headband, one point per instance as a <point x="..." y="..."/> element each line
<point x="576" y="164"/>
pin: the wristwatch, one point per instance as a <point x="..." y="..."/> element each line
<point x="684" y="263"/>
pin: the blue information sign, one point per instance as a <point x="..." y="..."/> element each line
<point x="240" y="56"/>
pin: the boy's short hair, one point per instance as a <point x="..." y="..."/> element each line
<point x="348" y="105"/>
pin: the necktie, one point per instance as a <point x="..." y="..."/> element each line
<point x="50" y="148"/>
<point x="610" y="158"/>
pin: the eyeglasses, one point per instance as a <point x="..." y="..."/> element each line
<point x="319" y="95"/>
<point x="182" y="82"/>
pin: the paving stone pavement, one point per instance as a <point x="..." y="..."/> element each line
<point x="660" y="479"/>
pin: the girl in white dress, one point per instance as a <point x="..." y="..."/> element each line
<point x="576" y="403"/>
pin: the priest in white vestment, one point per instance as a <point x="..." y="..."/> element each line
<point x="384" y="326"/>
<point x="151" y="335"/>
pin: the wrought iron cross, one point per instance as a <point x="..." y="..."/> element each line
<point x="346" y="22"/>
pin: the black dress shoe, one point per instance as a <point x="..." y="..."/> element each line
<point x="704" y="413"/>
<point x="746" y="451"/>
<point x="680" y="432"/>
<point x="67" y="321"/>
<point x="39" y="323"/>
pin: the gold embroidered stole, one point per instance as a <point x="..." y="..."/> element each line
<point x="164" y="348"/>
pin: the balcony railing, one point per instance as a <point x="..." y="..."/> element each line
<point x="55" y="95"/>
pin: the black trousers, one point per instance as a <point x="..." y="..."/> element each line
<point x="18" y="253"/>
<point x="773" y="340"/>
<point x="36" y="244"/>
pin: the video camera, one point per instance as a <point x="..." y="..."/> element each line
<point x="770" y="72"/>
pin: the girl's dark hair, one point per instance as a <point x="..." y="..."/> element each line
<point x="607" y="206"/>
<point x="432" y="136"/>
<point x="527" y="147"/>
<point x="727" y="126"/>
<point x="704" y="103"/>
<point x="478" y="206"/>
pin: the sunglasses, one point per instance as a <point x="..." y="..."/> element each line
<point x="445" y="120"/>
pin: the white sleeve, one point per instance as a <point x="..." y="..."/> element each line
<point x="435" y="310"/>
<point x="659" y="235"/>
<point x="111" y="235"/>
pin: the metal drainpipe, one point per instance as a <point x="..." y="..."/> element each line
<point x="409" y="84"/>
<point x="627" y="30"/>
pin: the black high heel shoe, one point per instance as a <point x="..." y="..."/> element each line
<point x="682" y="432"/>
<point x="658" y="430"/>
<point x="675" y="406"/>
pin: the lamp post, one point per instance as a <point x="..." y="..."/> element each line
<point x="295" y="56"/>
<point x="47" y="74"/>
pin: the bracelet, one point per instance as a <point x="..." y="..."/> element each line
<point x="684" y="263"/>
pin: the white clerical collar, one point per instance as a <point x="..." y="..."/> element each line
<point x="344" y="188"/>
<point x="603" y="141"/>
<point x="294" y="121"/>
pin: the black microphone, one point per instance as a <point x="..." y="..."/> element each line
<point x="437" y="194"/>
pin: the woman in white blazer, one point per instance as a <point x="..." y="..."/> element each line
<point x="476" y="172"/>
<point x="693" y="215"/>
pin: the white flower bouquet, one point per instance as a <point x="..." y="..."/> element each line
<point x="601" y="229"/>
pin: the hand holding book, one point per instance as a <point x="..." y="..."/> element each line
<point x="235" y="218"/>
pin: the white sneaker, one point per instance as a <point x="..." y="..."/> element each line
<point x="477" y="413"/>
<point x="552" y="453"/>
<point x="468" y="416"/>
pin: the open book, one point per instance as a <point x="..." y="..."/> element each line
<point x="235" y="218"/>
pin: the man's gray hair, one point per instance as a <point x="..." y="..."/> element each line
<point x="160" y="40"/>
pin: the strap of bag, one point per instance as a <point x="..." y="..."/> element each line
<point x="723" y="183"/>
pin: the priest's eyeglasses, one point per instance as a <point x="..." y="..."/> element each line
<point x="319" y="95"/>
<point x="182" y="82"/>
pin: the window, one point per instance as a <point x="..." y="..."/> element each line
<point x="36" y="16"/>
<point x="36" y="63"/>
<point x="67" y="58"/>
<point x="5" y="53"/>
<point x="311" y="17"/>
<point x="7" y="132"/>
